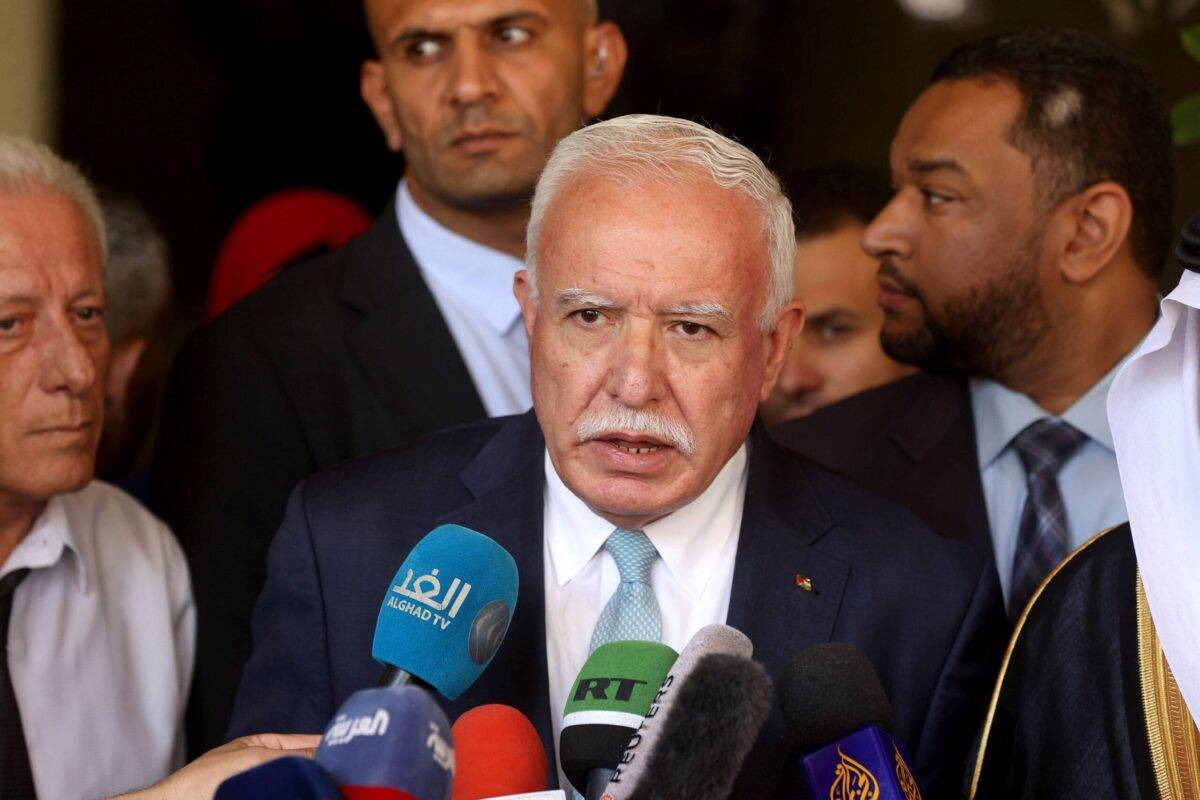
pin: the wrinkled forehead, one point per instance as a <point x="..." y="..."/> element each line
<point x="388" y="19"/>
<point x="47" y="247"/>
<point x="682" y="228"/>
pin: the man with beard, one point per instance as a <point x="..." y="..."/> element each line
<point x="1019" y="263"/>
<point x="1101" y="687"/>
<point x="410" y="328"/>
<point x="639" y="499"/>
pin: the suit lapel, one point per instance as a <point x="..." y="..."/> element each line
<point x="936" y="437"/>
<point x="782" y="518"/>
<point x="507" y="480"/>
<point x="399" y="337"/>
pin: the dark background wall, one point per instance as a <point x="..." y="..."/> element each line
<point x="200" y="107"/>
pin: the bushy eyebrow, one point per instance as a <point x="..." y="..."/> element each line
<point x="700" y="308"/>
<point x="418" y="32"/>
<point x="574" y="296"/>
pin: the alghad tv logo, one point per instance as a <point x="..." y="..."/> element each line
<point x="423" y="602"/>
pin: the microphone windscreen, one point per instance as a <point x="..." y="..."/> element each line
<point x="1188" y="251"/>
<point x="714" y="718"/>
<point x="447" y="609"/>
<point x="829" y="691"/>
<point x="388" y="741"/>
<point x="290" y="778"/>
<point x="709" y="640"/>
<point x="606" y="704"/>
<point x="497" y="751"/>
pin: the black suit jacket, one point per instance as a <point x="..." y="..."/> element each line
<point x="925" y="610"/>
<point x="912" y="441"/>
<point x="337" y="358"/>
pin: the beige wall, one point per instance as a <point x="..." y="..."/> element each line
<point x="28" y="83"/>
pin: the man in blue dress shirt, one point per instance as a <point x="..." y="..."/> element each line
<point x="1019" y="263"/>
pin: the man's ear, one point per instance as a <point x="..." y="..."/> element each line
<point x="372" y="85"/>
<point x="1096" y="226"/>
<point x="606" y="53"/>
<point x="788" y="324"/>
<point x="523" y="291"/>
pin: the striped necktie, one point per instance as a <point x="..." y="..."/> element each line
<point x="1043" y="538"/>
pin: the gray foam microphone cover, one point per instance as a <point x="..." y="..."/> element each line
<point x="709" y="640"/>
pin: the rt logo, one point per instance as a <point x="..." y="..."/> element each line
<point x="599" y="689"/>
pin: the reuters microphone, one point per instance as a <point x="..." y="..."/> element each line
<point x="498" y="753"/>
<point x="703" y="722"/>
<point x="389" y="744"/>
<point x="446" y="611"/>
<point x="607" y="702"/>
<point x="838" y="713"/>
<point x="290" y="778"/>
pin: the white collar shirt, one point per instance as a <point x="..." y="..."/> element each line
<point x="472" y="285"/>
<point x="100" y="645"/>
<point x="692" y="580"/>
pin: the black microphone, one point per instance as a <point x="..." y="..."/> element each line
<point x="839" y="717"/>
<point x="1188" y="251"/>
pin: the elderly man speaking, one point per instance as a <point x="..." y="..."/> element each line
<point x="657" y="299"/>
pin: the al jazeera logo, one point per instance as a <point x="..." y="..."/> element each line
<point x="908" y="784"/>
<point x="852" y="781"/>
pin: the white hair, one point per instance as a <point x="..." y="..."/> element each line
<point x="28" y="166"/>
<point x="642" y="146"/>
<point x="137" y="277"/>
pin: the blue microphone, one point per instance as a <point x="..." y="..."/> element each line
<point x="290" y="778"/>
<point x="446" y="611"/>
<point x="839" y="716"/>
<point x="389" y="743"/>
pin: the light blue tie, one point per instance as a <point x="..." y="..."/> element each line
<point x="632" y="613"/>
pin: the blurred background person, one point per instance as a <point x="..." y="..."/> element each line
<point x="409" y="328"/>
<point x="1021" y="254"/>
<point x="137" y="278"/>
<point x="96" y="613"/>
<point x="838" y="352"/>
<point x="277" y="232"/>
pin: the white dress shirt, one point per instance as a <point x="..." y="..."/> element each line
<point x="692" y="580"/>
<point x="1089" y="481"/>
<point x="100" y="645"/>
<point x="472" y="285"/>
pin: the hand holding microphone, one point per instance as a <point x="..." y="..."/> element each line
<point x="200" y="779"/>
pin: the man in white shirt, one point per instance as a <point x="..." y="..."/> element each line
<point x="94" y="591"/>
<point x="639" y="500"/>
<point x="408" y="329"/>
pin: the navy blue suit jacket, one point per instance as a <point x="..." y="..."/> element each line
<point x="924" y="609"/>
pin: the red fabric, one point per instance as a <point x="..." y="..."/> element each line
<point x="273" y="233"/>
<point x="497" y="752"/>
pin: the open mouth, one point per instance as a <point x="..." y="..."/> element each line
<point x="635" y="446"/>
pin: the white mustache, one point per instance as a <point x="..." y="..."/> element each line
<point x="636" y="420"/>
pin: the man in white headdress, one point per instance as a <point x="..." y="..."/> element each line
<point x="1101" y="685"/>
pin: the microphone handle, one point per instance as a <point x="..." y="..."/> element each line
<point x="597" y="781"/>
<point x="393" y="677"/>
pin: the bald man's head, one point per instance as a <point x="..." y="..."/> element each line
<point x="476" y="93"/>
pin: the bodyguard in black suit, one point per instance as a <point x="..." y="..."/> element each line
<point x="350" y="354"/>
<point x="658" y="311"/>
<point x="1019" y="258"/>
